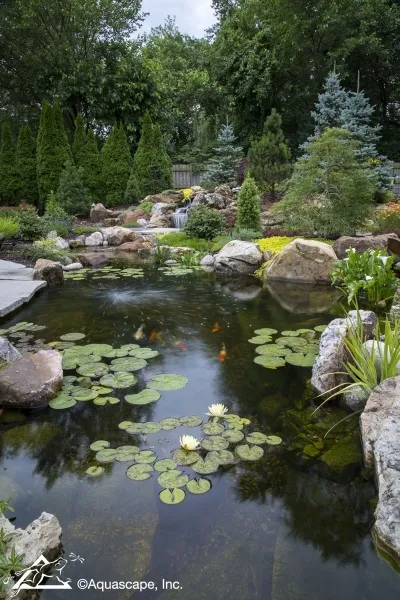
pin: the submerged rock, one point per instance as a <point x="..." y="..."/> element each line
<point x="301" y="298"/>
<point x="93" y="259"/>
<point x="238" y="258"/>
<point x="305" y="261"/>
<point x="49" y="271"/>
<point x="31" y="382"/>
<point x="8" y="352"/>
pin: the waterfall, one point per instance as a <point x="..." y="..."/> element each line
<point x="180" y="216"/>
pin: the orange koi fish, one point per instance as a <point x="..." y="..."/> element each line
<point x="156" y="336"/>
<point x="139" y="335"/>
<point x="216" y="328"/>
<point x="182" y="346"/>
<point x="222" y="353"/>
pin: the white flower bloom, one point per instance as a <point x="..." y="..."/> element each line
<point x="384" y="259"/>
<point x="368" y="278"/>
<point x="217" y="410"/>
<point x="188" y="442"/>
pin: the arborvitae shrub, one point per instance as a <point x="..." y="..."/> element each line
<point x="8" y="168"/>
<point x="248" y="206"/>
<point x="71" y="194"/>
<point x="87" y="158"/>
<point x="116" y="166"/>
<point x="26" y="166"/>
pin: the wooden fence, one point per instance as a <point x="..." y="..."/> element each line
<point x="396" y="178"/>
<point x="184" y="177"/>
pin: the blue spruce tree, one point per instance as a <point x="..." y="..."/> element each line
<point x="222" y="168"/>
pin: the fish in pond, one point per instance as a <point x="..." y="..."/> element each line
<point x="222" y="353"/>
<point x="181" y="345"/>
<point x="156" y="336"/>
<point x="139" y="335"/>
<point x="216" y="328"/>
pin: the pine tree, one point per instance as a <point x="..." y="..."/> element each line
<point x="8" y="168"/>
<point x="62" y="146"/>
<point x="80" y="142"/>
<point x="87" y="157"/>
<point x="269" y="156"/>
<point x="141" y="180"/>
<point x="248" y="206"/>
<point x="222" y="168"/>
<point x="71" y="193"/>
<point x="161" y="166"/>
<point x="116" y="166"/>
<point x="26" y="166"/>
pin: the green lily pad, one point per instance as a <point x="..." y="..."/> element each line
<point x="93" y="369"/>
<point x="246" y="452"/>
<point x="101" y="390"/>
<point x="265" y="331"/>
<point x="306" y="332"/>
<point x="291" y="342"/>
<point x="116" y="353"/>
<point x="191" y="421"/>
<point x="139" y="472"/>
<point x="257" y="438"/>
<point x="215" y="442"/>
<point x="301" y="360"/>
<point x="84" y="395"/>
<point x="167" y="382"/>
<point x="174" y="496"/>
<point x="272" y="350"/>
<point x="68" y="364"/>
<point x="205" y="467"/>
<point x="184" y="458"/>
<point x="222" y="457"/>
<point x="274" y="440"/>
<point x="233" y="436"/>
<point x="290" y="333"/>
<point x="170" y="423"/>
<point x="72" y="337"/>
<point x="62" y="401"/>
<point x="125" y="424"/>
<point x="320" y="328"/>
<point x="144" y="353"/>
<point x="198" y="486"/>
<point x="101" y="349"/>
<point x="166" y="464"/>
<point x="151" y="427"/>
<point x="129" y="363"/>
<point x="95" y="471"/>
<point x="129" y="347"/>
<point x="146" y="457"/>
<point x="106" y="456"/>
<point x="85" y="382"/>
<point x="310" y="349"/>
<point x="135" y="428"/>
<point x="103" y="400"/>
<point x="260" y="339"/>
<point x="236" y="425"/>
<point x="269" y="362"/>
<point x="144" y="397"/>
<point x="230" y="417"/>
<point x="128" y="455"/>
<point x="213" y="428"/>
<point x="69" y="379"/>
<point x="173" y="479"/>
<point x="118" y="380"/>
<point x="99" y="445"/>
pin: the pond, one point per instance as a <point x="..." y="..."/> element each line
<point x="277" y="528"/>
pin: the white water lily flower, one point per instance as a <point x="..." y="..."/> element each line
<point x="368" y="278"/>
<point x="217" y="410"/>
<point x="188" y="442"/>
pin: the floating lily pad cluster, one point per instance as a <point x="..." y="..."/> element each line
<point x="175" y="270"/>
<point x="105" y="273"/>
<point x="22" y="336"/>
<point x="299" y="347"/>
<point x="213" y="453"/>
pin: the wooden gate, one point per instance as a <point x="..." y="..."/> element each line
<point x="184" y="177"/>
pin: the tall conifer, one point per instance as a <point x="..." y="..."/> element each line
<point x="26" y="166"/>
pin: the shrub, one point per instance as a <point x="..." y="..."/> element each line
<point x="33" y="253"/>
<point x="367" y="275"/>
<point x="248" y="206"/>
<point x="116" y="166"/>
<point x="131" y="224"/>
<point x="87" y="158"/>
<point x="31" y="226"/>
<point x="55" y="217"/>
<point x="387" y="219"/>
<point x="181" y="239"/>
<point x="26" y="166"/>
<point x="71" y="194"/>
<point x="330" y="191"/>
<point x="8" y="168"/>
<point x="84" y="229"/>
<point x="204" y="223"/>
<point x="145" y="206"/>
<point x="274" y="244"/>
<point x="8" y="228"/>
<point x="132" y="192"/>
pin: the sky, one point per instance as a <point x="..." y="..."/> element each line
<point x="192" y="16"/>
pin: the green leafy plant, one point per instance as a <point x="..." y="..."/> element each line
<point x="190" y="259"/>
<point x="83" y="229"/>
<point x="368" y="275"/>
<point x="56" y="218"/>
<point x="5" y="505"/>
<point x="31" y="226"/>
<point x="145" y="206"/>
<point x="33" y="253"/>
<point x="204" y="223"/>
<point x="131" y="224"/>
<point x="8" y="228"/>
<point x="160" y="255"/>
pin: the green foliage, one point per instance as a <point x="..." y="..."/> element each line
<point x="79" y="142"/>
<point x="116" y="166"/>
<point x="131" y="224"/>
<point x="8" y="228"/>
<point x="5" y="505"/>
<point x="26" y="166"/>
<point x="368" y="275"/>
<point x="71" y="194"/>
<point x="329" y="192"/>
<point x="132" y="192"/>
<point x="8" y="168"/>
<point x="204" y="223"/>
<point x="33" y="253"/>
<point x="56" y="218"/>
<point x="87" y="158"/>
<point x="181" y="239"/>
<point x="84" y="229"/>
<point x="145" y="206"/>
<point x="222" y="168"/>
<point x="248" y="206"/>
<point x="190" y="259"/>
<point x="269" y="156"/>
<point x="31" y="226"/>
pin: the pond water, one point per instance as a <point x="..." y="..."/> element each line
<point x="279" y="528"/>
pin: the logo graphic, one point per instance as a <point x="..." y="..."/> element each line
<point x="44" y="575"/>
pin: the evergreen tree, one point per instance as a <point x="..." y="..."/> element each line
<point x="87" y="158"/>
<point x="26" y="166"/>
<point x="61" y="144"/>
<point x="8" y="168"/>
<point x="132" y="193"/>
<point x="248" y="206"/>
<point x="71" y="193"/>
<point x="116" y="165"/>
<point x="222" y="168"/>
<point x="269" y="156"/>
<point x="161" y="167"/>
<point x="79" y="143"/>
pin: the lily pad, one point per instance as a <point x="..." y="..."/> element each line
<point x="103" y="400"/>
<point x="62" y="401"/>
<point x="215" y="442"/>
<point x="118" y="380"/>
<point x="101" y="349"/>
<point x="213" y="428"/>
<point x="291" y="342"/>
<point x="236" y="425"/>
<point x="139" y="472"/>
<point x="274" y="440"/>
<point x="134" y="428"/>
<point x="144" y="353"/>
<point x="246" y="452"/>
<point x="233" y="436"/>
<point x="310" y="349"/>
<point x="173" y="479"/>
<point x="167" y="382"/>
<point x="269" y="362"/>
<point x="93" y="369"/>
<point x="170" y="423"/>
<point x="69" y="379"/>
<point x="99" y="445"/>
<point x="101" y="390"/>
<point x="146" y="457"/>
<point x="320" y="328"/>
<point x="85" y="359"/>
<point x="222" y="457"/>
<point x="257" y="438"/>
<point x="166" y="464"/>
<point x="129" y="347"/>
<point x="174" y="496"/>
<point x="205" y="467"/>
<point x="85" y="382"/>
<point x="129" y="363"/>
<point x="144" y="397"/>
<point x="272" y="350"/>
<point x="260" y="339"/>
<point x="106" y="456"/>
<point x="184" y="458"/>
<point x="230" y="417"/>
<point x="127" y="455"/>
<point x="151" y="427"/>
<point x="125" y="424"/>
<point x="72" y="337"/>
<point x="301" y="360"/>
<point x="68" y="364"/>
<point x="265" y="331"/>
<point x="191" y="421"/>
<point x="95" y="471"/>
<point x="290" y="333"/>
<point x="116" y="353"/>
<point x="198" y="486"/>
<point x="84" y="395"/>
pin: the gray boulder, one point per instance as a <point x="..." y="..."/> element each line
<point x="213" y="200"/>
<point x="94" y="239"/>
<point x="238" y="258"/>
<point x="61" y="243"/>
<point x="304" y="261"/>
<point x="160" y="220"/>
<point x="207" y="261"/>
<point x="98" y="212"/>
<point x="115" y="236"/>
<point x="160" y="207"/>
<point x="76" y="266"/>
<point x="142" y="222"/>
<point x="32" y="381"/>
<point x="7" y="352"/>
<point x="360" y="244"/>
<point x="49" y="271"/>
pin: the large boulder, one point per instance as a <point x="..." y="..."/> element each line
<point x="207" y="261"/>
<point x="94" y="239"/>
<point x="304" y="261"/>
<point x="7" y="352"/>
<point x="380" y="430"/>
<point x="98" y="213"/>
<point x="238" y="258"/>
<point x="225" y="190"/>
<point x="93" y="259"/>
<point x="212" y="200"/>
<point x="161" y="208"/>
<point x="49" y="271"/>
<point x="141" y="244"/>
<point x="115" y="236"/>
<point x="160" y="220"/>
<point x="360" y="244"/>
<point x="130" y="216"/>
<point x="32" y="381"/>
